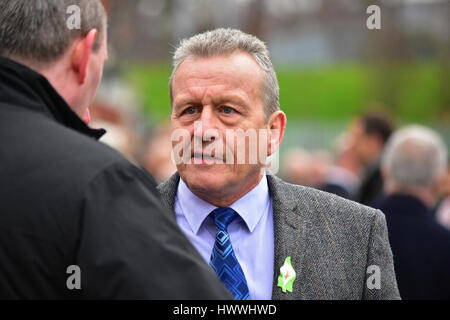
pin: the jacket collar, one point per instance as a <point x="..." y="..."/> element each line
<point x="25" y="88"/>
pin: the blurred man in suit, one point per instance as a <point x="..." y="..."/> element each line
<point x="413" y="164"/>
<point x="264" y="238"/>
<point x="369" y="134"/>
<point x="77" y="220"/>
<point x="342" y="178"/>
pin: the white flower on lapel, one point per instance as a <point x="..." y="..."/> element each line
<point x="287" y="276"/>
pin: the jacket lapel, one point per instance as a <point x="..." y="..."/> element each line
<point x="301" y="231"/>
<point x="168" y="191"/>
<point x="288" y="237"/>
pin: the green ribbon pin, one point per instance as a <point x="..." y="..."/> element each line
<point x="287" y="276"/>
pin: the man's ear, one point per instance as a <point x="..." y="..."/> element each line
<point x="82" y="53"/>
<point x="436" y="186"/>
<point x="387" y="184"/>
<point x="384" y="175"/>
<point x="276" y="127"/>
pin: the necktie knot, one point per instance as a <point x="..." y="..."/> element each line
<point x="223" y="217"/>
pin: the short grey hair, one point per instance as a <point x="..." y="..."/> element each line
<point x="37" y="31"/>
<point x="415" y="156"/>
<point x="225" y="41"/>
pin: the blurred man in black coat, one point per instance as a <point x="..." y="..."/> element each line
<point x="77" y="220"/>
<point x="413" y="164"/>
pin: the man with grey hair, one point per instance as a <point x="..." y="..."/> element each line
<point x="413" y="165"/>
<point x="77" y="220"/>
<point x="264" y="238"/>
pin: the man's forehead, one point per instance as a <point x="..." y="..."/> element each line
<point x="218" y="72"/>
<point x="215" y="94"/>
<point x="213" y="82"/>
<point x="237" y="64"/>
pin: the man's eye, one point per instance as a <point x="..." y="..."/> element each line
<point x="191" y="110"/>
<point x="227" y="110"/>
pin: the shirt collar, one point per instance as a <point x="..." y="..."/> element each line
<point x="250" y="207"/>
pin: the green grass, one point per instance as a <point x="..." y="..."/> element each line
<point x="152" y="85"/>
<point x="413" y="92"/>
<point x="333" y="92"/>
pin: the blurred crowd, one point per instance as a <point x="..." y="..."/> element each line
<point x="405" y="173"/>
<point x="354" y="169"/>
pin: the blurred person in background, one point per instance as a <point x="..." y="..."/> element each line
<point x="117" y="110"/>
<point x="121" y="135"/>
<point x="443" y="207"/>
<point x="342" y="178"/>
<point x="306" y="168"/>
<point x="369" y="134"/>
<point x="67" y="201"/>
<point x="157" y="155"/>
<point x="413" y="165"/>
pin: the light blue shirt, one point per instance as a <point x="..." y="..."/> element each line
<point x="251" y="237"/>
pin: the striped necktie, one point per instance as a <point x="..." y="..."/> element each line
<point x="223" y="259"/>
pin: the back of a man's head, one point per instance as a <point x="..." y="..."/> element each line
<point x="37" y="31"/>
<point x="414" y="158"/>
<point x="63" y="40"/>
<point x="378" y="124"/>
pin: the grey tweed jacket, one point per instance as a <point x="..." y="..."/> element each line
<point x="332" y="242"/>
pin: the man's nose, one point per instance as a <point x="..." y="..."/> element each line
<point x="209" y="125"/>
